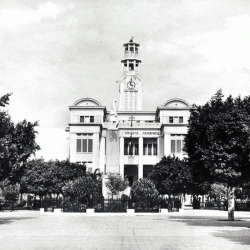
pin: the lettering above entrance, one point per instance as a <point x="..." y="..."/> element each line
<point x="139" y="133"/>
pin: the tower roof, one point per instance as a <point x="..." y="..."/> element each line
<point x="131" y="42"/>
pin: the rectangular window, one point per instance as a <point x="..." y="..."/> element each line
<point x="90" y="145"/>
<point x="183" y="144"/>
<point x="131" y="146"/>
<point x="155" y="149"/>
<point x="84" y="145"/>
<point x="136" y="149"/>
<point x="149" y="149"/>
<point x="171" y="119"/>
<point x="92" y="119"/>
<point x="78" y="145"/>
<point x="81" y="118"/>
<point x="172" y="146"/>
<point x="178" y="146"/>
<point x="177" y="143"/>
<point x="181" y="119"/>
<point x="125" y="149"/>
<point x="150" y="146"/>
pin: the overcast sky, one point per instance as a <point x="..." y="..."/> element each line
<point x="56" y="52"/>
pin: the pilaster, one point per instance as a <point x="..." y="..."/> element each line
<point x="96" y="151"/>
<point x="167" y="143"/>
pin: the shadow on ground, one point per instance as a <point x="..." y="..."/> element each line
<point x="237" y="231"/>
<point x="8" y="220"/>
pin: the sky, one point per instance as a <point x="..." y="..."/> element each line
<point x="56" y="52"/>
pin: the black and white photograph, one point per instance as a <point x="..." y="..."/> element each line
<point x="124" y="124"/>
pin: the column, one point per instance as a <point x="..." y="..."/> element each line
<point x="140" y="166"/>
<point x="95" y="151"/>
<point x="72" y="147"/>
<point x="167" y="144"/>
<point x="121" y="156"/>
<point x="102" y="154"/>
<point x="158" y="149"/>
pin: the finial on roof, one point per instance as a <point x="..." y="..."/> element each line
<point x="131" y="40"/>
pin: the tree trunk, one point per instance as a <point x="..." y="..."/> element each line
<point x="231" y="205"/>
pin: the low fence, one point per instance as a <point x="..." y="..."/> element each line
<point x="112" y="205"/>
<point x="121" y="206"/>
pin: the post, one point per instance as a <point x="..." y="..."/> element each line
<point x="231" y="204"/>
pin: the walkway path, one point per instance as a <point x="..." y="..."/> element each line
<point x="189" y="230"/>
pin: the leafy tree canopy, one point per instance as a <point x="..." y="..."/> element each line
<point x="86" y="189"/>
<point x="46" y="177"/>
<point x="218" y="142"/>
<point x="171" y="176"/>
<point x="144" y="193"/>
<point x="9" y="191"/>
<point x="116" y="183"/>
<point x="17" y="144"/>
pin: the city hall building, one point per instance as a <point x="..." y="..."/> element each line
<point x="126" y="139"/>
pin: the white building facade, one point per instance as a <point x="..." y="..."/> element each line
<point x="128" y="141"/>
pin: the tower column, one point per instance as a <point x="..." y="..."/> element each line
<point x="131" y="81"/>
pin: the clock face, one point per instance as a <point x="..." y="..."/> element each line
<point x="131" y="84"/>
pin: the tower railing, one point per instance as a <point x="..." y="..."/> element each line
<point x="131" y="54"/>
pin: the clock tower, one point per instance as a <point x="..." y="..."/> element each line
<point x="131" y="82"/>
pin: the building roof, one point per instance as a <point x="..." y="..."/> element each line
<point x="90" y="102"/>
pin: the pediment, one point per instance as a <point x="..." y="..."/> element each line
<point x="87" y="102"/>
<point x="176" y="103"/>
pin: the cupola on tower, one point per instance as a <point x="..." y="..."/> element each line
<point x="131" y="84"/>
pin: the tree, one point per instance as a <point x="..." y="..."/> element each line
<point x="218" y="144"/>
<point x="36" y="178"/>
<point x="49" y="177"/>
<point x="144" y="193"/>
<point x="17" y="144"/>
<point x="116" y="183"/>
<point x="10" y="192"/>
<point x="171" y="176"/>
<point x="86" y="190"/>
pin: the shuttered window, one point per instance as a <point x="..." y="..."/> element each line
<point x="84" y="143"/>
<point x="90" y="145"/>
<point x="78" y="146"/>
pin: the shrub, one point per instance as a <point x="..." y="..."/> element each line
<point x="144" y="194"/>
<point x="116" y="183"/>
<point x="84" y="190"/>
<point x="10" y="191"/>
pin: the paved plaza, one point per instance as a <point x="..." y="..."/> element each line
<point x="191" y="229"/>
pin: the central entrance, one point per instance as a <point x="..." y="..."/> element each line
<point x="131" y="172"/>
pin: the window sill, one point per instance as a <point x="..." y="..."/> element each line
<point x="79" y="153"/>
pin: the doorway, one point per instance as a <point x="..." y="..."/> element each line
<point x="131" y="172"/>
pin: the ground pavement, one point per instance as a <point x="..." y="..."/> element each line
<point x="191" y="229"/>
